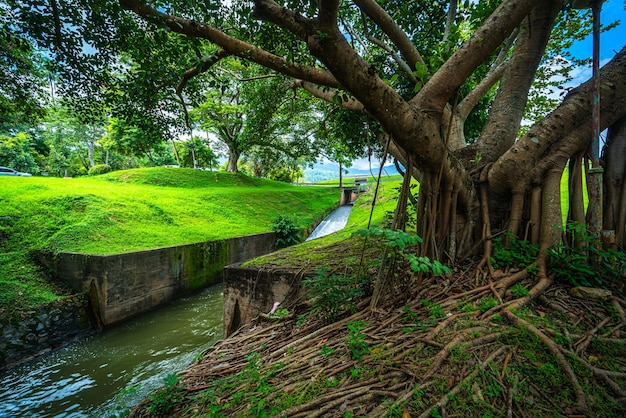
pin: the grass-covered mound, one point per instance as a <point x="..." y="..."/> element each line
<point x="134" y="210"/>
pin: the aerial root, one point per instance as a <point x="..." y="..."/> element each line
<point x="446" y="398"/>
<point x="554" y="348"/>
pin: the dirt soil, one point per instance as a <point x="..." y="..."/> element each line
<point x="461" y="346"/>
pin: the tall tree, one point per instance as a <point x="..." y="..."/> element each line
<point x="248" y="111"/>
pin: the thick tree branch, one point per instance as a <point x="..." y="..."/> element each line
<point x="403" y="65"/>
<point x="442" y="85"/>
<point x="232" y="45"/>
<point x="270" y="11"/>
<point x="469" y="101"/>
<point x="537" y="148"/>
<point x="395" y="33"/>
<point x="329" y="10"/>
<point x="507" y="111"/>
<point x="493" y="75"/>
<point x="206" y="65"/>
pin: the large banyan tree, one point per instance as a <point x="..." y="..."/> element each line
<point x="469" y="187"/>
<point x="447" y="83"/>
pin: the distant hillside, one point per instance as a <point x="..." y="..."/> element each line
<point x="330" y="171"/>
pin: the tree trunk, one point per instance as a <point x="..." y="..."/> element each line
<point x="614" y="211"/>
<point x="233" y="160"/>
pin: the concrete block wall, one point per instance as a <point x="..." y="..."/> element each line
<point x="128" y="284"/>
<point x="249" y="292"/>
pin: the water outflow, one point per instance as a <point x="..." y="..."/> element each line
<point x="116" y="368"/>
<point x="335" y="221"/>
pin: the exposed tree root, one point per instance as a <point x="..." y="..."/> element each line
<point x="445" y="399"/>
<point x="580" y="394"/>
<point x="416" y="360"/>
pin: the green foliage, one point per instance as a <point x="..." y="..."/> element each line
<point x="435" y="311"/>
<point x="280" y="313"/>
<point x="586" y="263"/>
<point x="399" y="242"/>
<point x="519" y="291"/>
<point x="518" y="253"/>
<point x="583" y="263"/>
<point x="357" y="346"/>
<point x="18" y="152"/>
<point x="286" y="230"/>
<point x="332" y="295"/>
<point x="98" y="169"/>
<point x="161" y="402"/>
<point x="487" y="303"/>
<point x="326" y="351"/>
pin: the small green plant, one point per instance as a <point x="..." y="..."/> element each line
<point x="165" y="399"/>
<point x="586" y="263"/>
<point x="487" y="303"/>
<point x="518" y="253"/>
<point x="332" y="295"/>
<point x="280" y="313"/>
<point x="409" y="314"/>
<point x="327" y="351"/>
<point x="519" y="291"/>
<point x="356" y="343"/>
<point x="399" y="242"/>
<point x="435" y="311"/>
<point x="287" y="233"/>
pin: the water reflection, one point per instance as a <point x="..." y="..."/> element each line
<point x="91" y="378"/>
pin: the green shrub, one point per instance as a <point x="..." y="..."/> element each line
<point x="399" y="243"/>
<point x="99" y="169"/>
<point x="287" y="233"/>
<point x="518" y="253"/>
<point x="332" y="295"/>
<point x="589" y="265"/>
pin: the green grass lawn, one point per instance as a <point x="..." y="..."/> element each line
<point x="134" y="210"/>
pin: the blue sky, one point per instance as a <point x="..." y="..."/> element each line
<point x="611" y="41"/>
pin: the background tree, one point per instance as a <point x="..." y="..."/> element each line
<point x="205" y="157"/>
<point x="23" y="80"/>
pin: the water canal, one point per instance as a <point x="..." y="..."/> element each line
<point x="107" y="373"/>
<point x="335" y="221"/>
<point x="116" y="368"/>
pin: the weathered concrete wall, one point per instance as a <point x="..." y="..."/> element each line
<point x="249" y="292"/>
<point x="127" y="284"/>
<point x="25" y="334"/>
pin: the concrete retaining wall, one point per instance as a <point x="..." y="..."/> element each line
<point x="249" y="292"/>
<point x="127" y="284"/>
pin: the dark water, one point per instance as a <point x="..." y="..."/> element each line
<point x="335" y="221"/>
<point x="106" y="373"/>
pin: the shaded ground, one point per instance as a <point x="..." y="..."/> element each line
<point x="458" y="347"/>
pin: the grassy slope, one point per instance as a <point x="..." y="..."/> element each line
<point x="134" y="210"/>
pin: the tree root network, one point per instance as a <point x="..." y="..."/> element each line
<point x="470" y="350"/>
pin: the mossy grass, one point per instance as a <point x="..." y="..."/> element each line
<point x="133" y="210"/>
